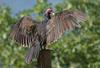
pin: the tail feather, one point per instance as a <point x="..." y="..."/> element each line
<point x="32" y="53"/>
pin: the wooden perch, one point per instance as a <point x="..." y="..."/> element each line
<point x="44" y="59"/>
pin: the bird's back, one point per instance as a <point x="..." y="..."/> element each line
<point x="41" y="28"/>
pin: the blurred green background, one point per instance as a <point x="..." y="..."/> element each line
<point x="78" y="49"/>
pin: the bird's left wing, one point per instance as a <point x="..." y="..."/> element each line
<point x="23" y="31"/>
<point x="66" y="20"/>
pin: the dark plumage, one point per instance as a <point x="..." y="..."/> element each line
<point x="37" y="36"/>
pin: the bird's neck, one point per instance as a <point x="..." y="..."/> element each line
<point x="46" y="18"/>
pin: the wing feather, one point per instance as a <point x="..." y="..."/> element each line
<point x="24" y="30"/>
<point x="61" y="22"/>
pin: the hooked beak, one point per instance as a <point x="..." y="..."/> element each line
<point x="52" y="13"/>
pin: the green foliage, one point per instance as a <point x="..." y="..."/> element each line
<point x="76" y="49"/>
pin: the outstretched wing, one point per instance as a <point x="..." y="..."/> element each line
<point x="24" y="30"/>
<point x="66" y="20"/>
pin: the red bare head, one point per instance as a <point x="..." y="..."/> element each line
<point x="48" y="12"/>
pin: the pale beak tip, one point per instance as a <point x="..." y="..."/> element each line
<point x="53" y="13"/>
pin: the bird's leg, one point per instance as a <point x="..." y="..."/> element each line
<point x="44" y="47"/>
<point x="41" y="47"/>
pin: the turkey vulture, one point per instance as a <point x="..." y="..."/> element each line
<point x="38" y="35"/>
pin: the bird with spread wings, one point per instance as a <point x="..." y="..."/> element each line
<point x="38" y="35"/>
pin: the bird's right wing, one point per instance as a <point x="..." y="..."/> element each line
<point x="23" y="31"/>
